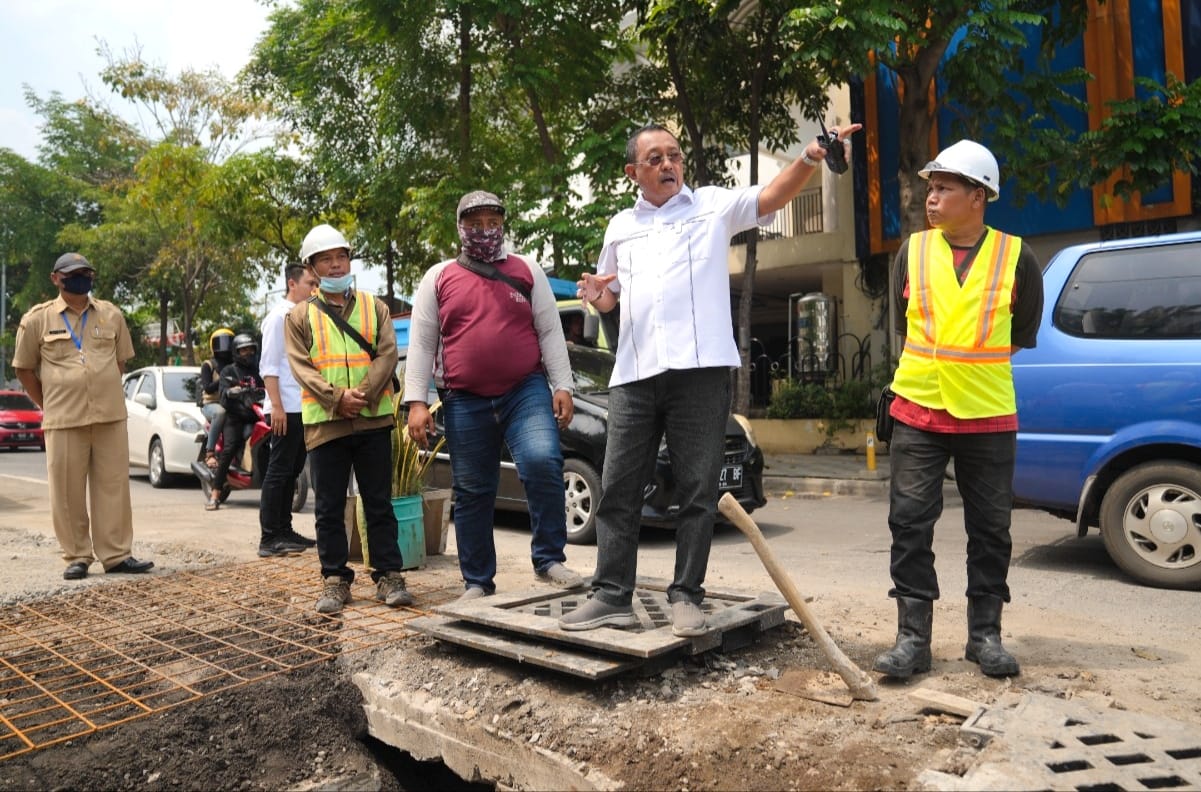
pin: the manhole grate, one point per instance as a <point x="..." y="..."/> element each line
<point x="76" y="663"/>
<point x="1067" y="745"/>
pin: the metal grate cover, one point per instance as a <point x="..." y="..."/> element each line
<point x="76" y="663"/>
<point x="1054" y="744"/>
<point x="524" y="626"/>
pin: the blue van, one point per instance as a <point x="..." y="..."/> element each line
<point x="1109" y="403"/>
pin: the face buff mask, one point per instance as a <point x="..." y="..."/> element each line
<point x="337" y="285"/>
<point x="77" y="284"/>
<point x="482" y="244"/>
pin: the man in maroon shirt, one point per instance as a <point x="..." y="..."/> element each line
<point x="486" y="326"/>
<point x="969" y="297"/>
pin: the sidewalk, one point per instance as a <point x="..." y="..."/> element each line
<point x="826" y="474"/>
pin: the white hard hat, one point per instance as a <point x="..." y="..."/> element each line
<point x="970" y="160"/>
<point x="321" y="238"/>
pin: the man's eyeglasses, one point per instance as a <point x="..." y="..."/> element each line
<point x="655" y="160"/>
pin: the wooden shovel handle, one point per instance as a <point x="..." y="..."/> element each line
<point x="859" y="683"/>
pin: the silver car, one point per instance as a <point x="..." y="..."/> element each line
<point x="163" y="420"/>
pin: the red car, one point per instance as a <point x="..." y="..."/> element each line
<point x="20" y="421"/>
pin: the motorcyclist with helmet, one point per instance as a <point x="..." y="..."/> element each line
<point x="208" y="395"/>
<point x="240" y="387"/>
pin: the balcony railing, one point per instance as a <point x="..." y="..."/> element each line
<point x="802" y="215"/>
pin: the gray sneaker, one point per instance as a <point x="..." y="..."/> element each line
<point x="560" y="576"/>
<point x="472" y="593"/>
<point x="390" y="590"/>
<point x="687" y="620"/>
<point x="335" y="592"/>
<point x="594" y="613"/>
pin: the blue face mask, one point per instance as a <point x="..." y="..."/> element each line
<point x="337" y="285"/>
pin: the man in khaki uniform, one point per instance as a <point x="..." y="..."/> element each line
<point x="70" y="355"/>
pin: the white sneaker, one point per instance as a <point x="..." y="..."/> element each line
<point x="472" y="593"/>
<point x="687" y="620"/>
<point x="560" y="576"/>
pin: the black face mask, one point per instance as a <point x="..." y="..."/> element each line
<point x="77" y="284"/>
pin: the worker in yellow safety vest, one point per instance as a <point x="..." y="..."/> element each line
<point x="969" y="297"/>
<point x="341" y="347"/>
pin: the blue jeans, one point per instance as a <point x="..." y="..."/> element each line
<point x="216" y="417"/>
<point x="984" y="475"/>
<point x="476" y="429"/>
<point x="279" y="482"/>
<point x="690" y="407"/>
<point x="368" y="454"/>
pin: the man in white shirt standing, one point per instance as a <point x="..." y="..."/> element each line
<point x="287" y="430"/>
<point x="667" y="258"/>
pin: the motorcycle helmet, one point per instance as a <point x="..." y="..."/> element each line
<point x="243" y="340"/>
<point x="221" y="342"/>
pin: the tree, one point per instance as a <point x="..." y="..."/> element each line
<point x="733" y="90"/>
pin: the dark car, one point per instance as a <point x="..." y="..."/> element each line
<point x="583" y="443"/>
<point x="20" y="421"/>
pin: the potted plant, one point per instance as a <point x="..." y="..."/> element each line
<point x="410" y="463"/>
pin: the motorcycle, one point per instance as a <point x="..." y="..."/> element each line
<point x="249" y="461"/>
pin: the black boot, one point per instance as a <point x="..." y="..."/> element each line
<point x="911" y="654"/>
<point x="984" y="638"/>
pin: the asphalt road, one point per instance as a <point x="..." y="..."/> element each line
<point x="1074" y="619"/>
<point x="828" y="542"/>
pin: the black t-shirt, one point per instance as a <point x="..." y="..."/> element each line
<point x="1027" y="288"/>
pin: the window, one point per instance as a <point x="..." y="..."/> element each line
<point x="1151" y="292"/>
<point x="131" y="385"/>
<point x="147" y="385"/>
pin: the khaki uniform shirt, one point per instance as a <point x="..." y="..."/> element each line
<point x="298" y="341"/>
<point x="80" y="385"/>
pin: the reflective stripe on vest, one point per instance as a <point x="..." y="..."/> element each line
<point x="340" y="359"/>
<point x="958" y="338"/>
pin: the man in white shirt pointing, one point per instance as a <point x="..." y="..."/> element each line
<point x="666" y="258"/>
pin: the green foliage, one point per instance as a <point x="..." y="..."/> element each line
<point x="797" y="400"/>
<point x="839" y="405"/>
<point x="409" y="462"/>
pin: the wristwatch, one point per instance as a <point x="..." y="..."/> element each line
<point x="805" y="158"/>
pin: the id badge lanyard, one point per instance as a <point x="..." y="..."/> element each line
<point x="77" y="339"/>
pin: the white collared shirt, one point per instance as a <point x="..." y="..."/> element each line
<point x="273" y="362"/>
<point x="673" y="279"/>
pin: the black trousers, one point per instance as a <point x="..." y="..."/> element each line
<point x="984" y="475"/>
<point x="369" y="454"/>
<point x="286" y="460"/>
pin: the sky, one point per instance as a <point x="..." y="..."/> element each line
<point x="51" y="45"/>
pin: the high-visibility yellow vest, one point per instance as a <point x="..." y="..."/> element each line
<point x="957" y="346"/>
<point x="340" y="359"/>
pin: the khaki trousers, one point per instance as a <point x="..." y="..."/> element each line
<point x="83" y="460"/>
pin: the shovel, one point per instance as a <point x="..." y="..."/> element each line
<point x="860" y="685"/>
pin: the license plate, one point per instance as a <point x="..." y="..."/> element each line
<point x="19" y="436"/>
<point x="731" y="477"/>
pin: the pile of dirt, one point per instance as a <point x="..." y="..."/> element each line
<point x="709" y="722"/>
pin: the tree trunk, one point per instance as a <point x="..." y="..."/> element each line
<point x="464" y="93"/>
<point x="696" y="135"/>
<point x="163" y="303"/>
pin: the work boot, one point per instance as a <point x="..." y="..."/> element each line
<point x="984" y="638"/>
<point x="335" y="592"/>
<point x="390" y="590"/>
<point x="911" y="654"/>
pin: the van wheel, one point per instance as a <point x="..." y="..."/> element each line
<point x="1151" y="524"/>
<point x="581" y="485"/>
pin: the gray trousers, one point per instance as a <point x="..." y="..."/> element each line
<point x="689" y="407"/>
